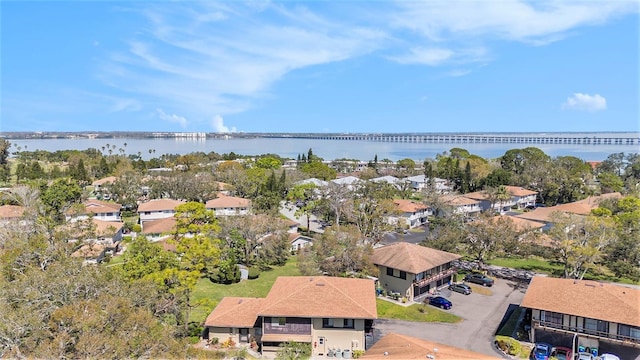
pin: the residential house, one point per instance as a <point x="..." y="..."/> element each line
<point x="326" y="312"/>
<point x="593" y="312"/>
<point x="410" y="213"/>
<point x="413" y="270"/>
<point x="317" y="182"/>
<point x="106" y="239"/>
<point x="11" y="213"/>
<point x="459" y="204"/>
<point x="349" y="181"/>
<point x="159" y="229"/>
<point x="395" y="346"/>
<point x="522" y="197"/>
<point x="299" y="241"/>
<point x="420" y="182"/>
<point x="391" y="180"/>
<point x="229" y="205"/>
<point x="580" y="207"/>
<point x="97" y="209"/>
<point x="158" y="209"/>
<point x="99" y="184"/>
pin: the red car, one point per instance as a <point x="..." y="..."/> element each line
<point x="562" y="353"/>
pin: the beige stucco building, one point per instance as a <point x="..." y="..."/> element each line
<point x="412" y="270"/>
<point x="325" y="312"/>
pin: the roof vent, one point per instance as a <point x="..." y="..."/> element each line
<point x="319" y="284"/>
<point x="240" y="301"/>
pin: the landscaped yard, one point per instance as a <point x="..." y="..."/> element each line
<point x="206" y="290"/>
<point x="389" y="310"/>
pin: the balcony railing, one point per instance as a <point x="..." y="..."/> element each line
<point x="291" y="329"/>
<point x="435" y="277"/>
<point x="628" y="340"/>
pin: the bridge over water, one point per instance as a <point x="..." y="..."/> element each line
<point x="560" y="138"/>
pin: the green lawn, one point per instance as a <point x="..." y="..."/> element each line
<point x="536" y="264"/>
<point x="510" y="325"/>
<point x="389" y="310"/>
<point x="206" y="290"/>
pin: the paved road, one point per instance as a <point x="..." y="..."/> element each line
<point x="481" y="315"/>
<point x="414" y="236"/>
<point x="289" y="210"/>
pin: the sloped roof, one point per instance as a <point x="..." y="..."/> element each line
<point x="478" y="195"/>
<point x="388" y="179"/>
<point x="314" y="181"/>
<point x="347" y="180"/>
<point x="101" y="207"/>
<point x="321" y="297"/>
<point x="89" y="250"/>
<point x="584" y="206"/>
<point x="228" y="202"/>
<point x="107" y="227"/>
<point x="159" y="205"/>
<point x="404" y="347"/>
<point x="520" y="224"/>
<point x="519" y="191"/>
<point x="106" y="180"/>
<point x="411" y="258"/>
<point x="294" y="236"/>
<point x="539" y="214"/>
<point x="240" y="312"/>
<point x="590" y="299"/>
<point x="159" y="226"/>
<point x="458" y="200"/>
<point x="409" y="205"/>
<point x="11" y="211"/>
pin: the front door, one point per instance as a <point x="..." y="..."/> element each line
<point x="244" y="335"/>
<point x="321" y="350"/>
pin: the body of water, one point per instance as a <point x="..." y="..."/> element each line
<point x="325" y="148"/>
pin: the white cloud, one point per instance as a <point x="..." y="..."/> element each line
<point x="172" y="118"/>
<point x="425" y="56"/>
<point x="217" y="123"/>
<point x="534" y="21"/>
<point x="586" y="102"/>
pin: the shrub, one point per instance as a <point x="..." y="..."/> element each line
<point x="254" y="273"/>
<point x="357" y="353"/>
<point x="229" y="343"/>
<point x="214" y="341"/>
<point x="509" y="345"/>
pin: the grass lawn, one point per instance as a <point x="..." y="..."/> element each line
<point x="535" y="264"/>
<point x="207" y="291"/>
<point x="389" y="310"/>
<point x="511" y="323"/>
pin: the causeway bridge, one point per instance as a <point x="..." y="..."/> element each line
<point x="461" y="138"/>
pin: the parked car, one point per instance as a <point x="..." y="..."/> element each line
<point x="607" y="356"/>
<point x="542" y="351"/>
<point x="461" y="288"/>
<point x="585" y="356"/>
<point x="562" y="353"/>
<point x="478" y="278"/>
<point x="439" y="301"/>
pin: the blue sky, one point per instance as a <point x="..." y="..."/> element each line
<point x="320" y="66"/>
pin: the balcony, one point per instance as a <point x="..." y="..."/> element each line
<point x="435" y="277"/>
<point x="619" y="339"/>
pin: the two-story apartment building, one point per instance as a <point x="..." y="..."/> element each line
<point x="588" y="311"/>
<point x="420" y="182"/>
<point x="97" y="209"/>
<point x="158" y="209"/>
<point x="410" y="213"/>
<point x="326" y="312"/>
<point x="459" y="204"/>
<point x="412" y="270"/>
<point x="229" y="205"/>
<point x="522" y="197"/>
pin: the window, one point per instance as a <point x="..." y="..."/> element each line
<point x="403" y="275"/>
<point x="327" y="323"/>
<point x="348" y="323"/>
<point x="630" y="331"/>
<point x="592" y="326"/>
<point x="552" y="317"/>
<point x="278" y="321"/>
<point x="390" y="271"/>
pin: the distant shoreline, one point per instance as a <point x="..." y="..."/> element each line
<point x="26" y="135"/>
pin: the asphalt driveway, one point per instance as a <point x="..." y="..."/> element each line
<point x="482" y="315"/>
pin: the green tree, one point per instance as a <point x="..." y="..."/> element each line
<point x="318" y="170"/>
<point x="4" y="163"/>
<point x="59" y="196"/>
<point x="268" y="162"/>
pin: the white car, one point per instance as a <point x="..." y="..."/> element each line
<point x="608" y="357"/>
<point x="585" y="356"/>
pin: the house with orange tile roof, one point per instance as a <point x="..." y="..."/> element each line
<point x="158" y="229"/>
<point x="460" y="204"/>
<point x="326" y="312"/>
<point x="97" y="209"/>
<point x="580" y="207"/>
<point x="594" y="312"/>
<point x="410" y="213"/>
<point x="519" y="198"/>
<point x="229" y="205"/>
<point x="10" y="213"/>
<point x="158" y="209"/>
<point x="413" y="270"/>
<point x="395" y="346"/>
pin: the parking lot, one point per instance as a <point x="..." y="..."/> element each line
<point x="481" y="316"/>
